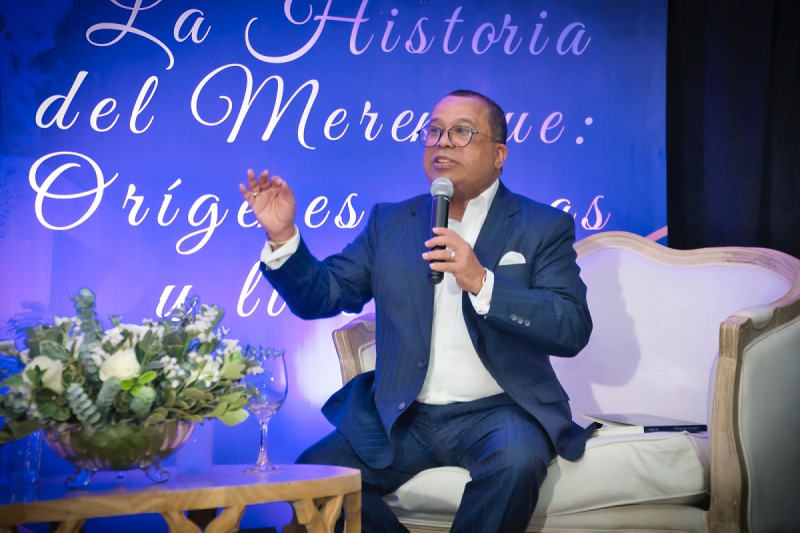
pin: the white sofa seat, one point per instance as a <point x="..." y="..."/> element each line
<point x="609" y="475"/>
<point x="615" y="471"/>
<point x="682" y="334"/>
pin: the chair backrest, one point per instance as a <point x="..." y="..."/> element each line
<point x="657" y="315"/>
<point x="355" y="346"/>
<point x="663" y="321"/>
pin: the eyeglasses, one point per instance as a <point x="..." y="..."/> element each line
<point x="459" y="136"/>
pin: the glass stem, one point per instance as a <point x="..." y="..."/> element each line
<point x="263" y="459"/>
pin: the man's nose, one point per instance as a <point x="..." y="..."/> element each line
<point x="444" y="140"/>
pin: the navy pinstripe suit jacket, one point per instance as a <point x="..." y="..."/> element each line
<point x="537" y="309"/>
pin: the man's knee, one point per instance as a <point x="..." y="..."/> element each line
<point x="524" y="463"/>
<point x="331" y="450"/>
<point x="517" y="461"/>
<point x="311" y="457"/>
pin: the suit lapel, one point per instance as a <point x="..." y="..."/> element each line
<point x="497" y="227"/>
<point x="420" y="289"/>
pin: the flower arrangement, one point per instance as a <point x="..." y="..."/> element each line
<point x="73" y="372"/>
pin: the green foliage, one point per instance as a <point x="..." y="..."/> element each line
<point x="176" y="368"/>
<point x="82" y="407"/>
<point x="143" y="398"/>
<point x="105" y="396"/>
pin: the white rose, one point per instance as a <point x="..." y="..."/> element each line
<point x="52" y="372"/>
<point x="122" y="365"/>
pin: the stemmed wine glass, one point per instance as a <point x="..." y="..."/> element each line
<point x="268" y="391"/>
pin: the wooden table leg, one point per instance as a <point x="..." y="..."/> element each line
<point x="70" y="526"/>
<point x="320" y="515"/>
<point x="177" y="522"/>
<point x="292" y="527"/>
<point x="352" y="512"/>
<point x="226" y="521"/>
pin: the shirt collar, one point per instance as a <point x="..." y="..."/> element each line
<point x="480" y="205"/>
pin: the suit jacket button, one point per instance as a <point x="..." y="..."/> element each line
<point x="527" y="323"/>
<point x="422" y="363"/>
<point x="401" y="406"/>
<point x="513" y="317"/>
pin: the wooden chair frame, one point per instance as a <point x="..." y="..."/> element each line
<point x="730" y="474"/>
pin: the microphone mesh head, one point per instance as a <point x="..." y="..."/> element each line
<point x="442" y="186"/>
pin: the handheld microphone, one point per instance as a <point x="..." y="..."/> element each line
<point x="441" y="190"/>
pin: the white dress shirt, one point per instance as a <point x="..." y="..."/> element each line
<point x="455" y="372"/>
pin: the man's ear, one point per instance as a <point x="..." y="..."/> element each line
<point x="500" y="154"/>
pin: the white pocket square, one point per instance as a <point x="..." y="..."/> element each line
<point x="512" y="258"/>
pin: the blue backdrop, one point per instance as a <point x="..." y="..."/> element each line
<point x="128" y="124"/>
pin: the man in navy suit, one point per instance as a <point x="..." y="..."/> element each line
<point x="463" y="374"/>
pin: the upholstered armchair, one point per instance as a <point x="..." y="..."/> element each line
<point x="710" y="335"/>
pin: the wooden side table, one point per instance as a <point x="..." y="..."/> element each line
<point x="317" y="493"/>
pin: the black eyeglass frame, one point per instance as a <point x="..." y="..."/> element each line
<point x="472" y="132"/>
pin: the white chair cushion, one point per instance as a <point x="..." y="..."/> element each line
<point x="615" y="470"/>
